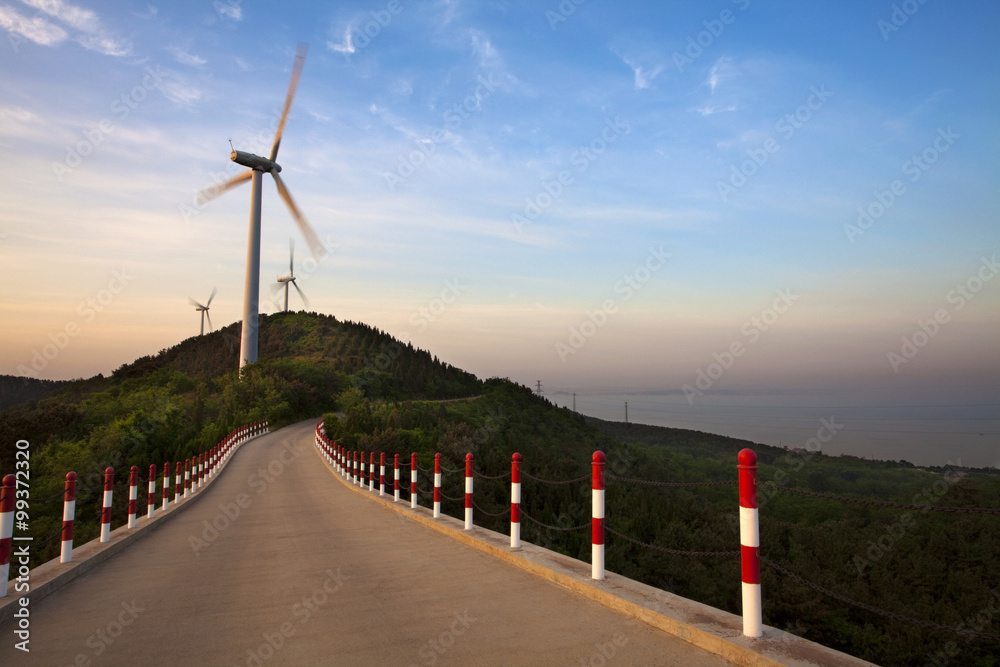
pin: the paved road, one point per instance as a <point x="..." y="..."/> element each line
<point x="309" y="572"/>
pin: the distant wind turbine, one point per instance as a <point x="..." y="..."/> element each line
<point x="290" y="278"/>
<point x="204" y="311"/>
<point x="258" y="166"/>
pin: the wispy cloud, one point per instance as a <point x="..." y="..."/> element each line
<point x="723" y="69"/>
<point x="90" y="34"/>
<point x="643" y="75"/>
<point x="229" y="9"/>
<point x="347" y="45"/>
<point x="176" y="89"/>
<point x="37" y="29"/>
<point x="185" y="58"/>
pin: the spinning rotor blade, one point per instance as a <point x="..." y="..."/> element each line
<point x="212" y="296"/>
<point x="300" y="59"/>
<point x="195" y="303"/>
<point x="209" y="316"/>
<point x="291" y="258"/>
<point x="315" y="245"/>
<point x="214" y="191"/>
<point x="301" y="294"/>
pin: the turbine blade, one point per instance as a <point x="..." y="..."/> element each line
<point x="315" y="245"/>
<point x="211" y="296"/>
<point x="291" y="256"/>
<point x="209" y="316"/>
<point x="195" y="303"/>
<point x="214" y="191"/>
<point x="300" y="59"/>
<point x="301" y="293"/>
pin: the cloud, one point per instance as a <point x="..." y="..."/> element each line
<point x="38" y="29"/>
<point x="185" y="58"/>
<point x="150" y="13"/>
<point x="643" y="75"/>
<point x="721" y="70"/>
<point x="347" y="46"/>
<point x="84" y="22"/>
<point x="230" y="9"/>
<point x="177" y="90"/>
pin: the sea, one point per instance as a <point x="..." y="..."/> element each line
<point x="960" y="429"/>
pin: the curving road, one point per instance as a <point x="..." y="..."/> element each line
<point x="300" y="570"/>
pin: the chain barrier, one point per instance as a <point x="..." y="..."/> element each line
<point x="480" y="509"/>
<point x="884" y="503"/>
<point x="649" y="482"/>
<point x="547" y="481"/>
<point x="423" y="469"/>
<point x="545" y="525"/>
<point x="667" y="550"/>
<point x="875" y="610"/>
<point x="459" y="499"/>
<point x="449" y="470"/>
<point x="45" y="500"/>
<point x="503" y="476"/>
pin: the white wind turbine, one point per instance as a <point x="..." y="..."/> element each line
<point x="258" y="166"/>
<point x="290" y="278"/>
<point x="204" y="311"/>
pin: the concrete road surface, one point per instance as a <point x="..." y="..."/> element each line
<point x="300" y="570"/>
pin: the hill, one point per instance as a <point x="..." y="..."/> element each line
<point x="16" y="390"/>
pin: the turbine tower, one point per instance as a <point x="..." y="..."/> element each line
<point x="258" y="166"/>
<point x="204" y="311"/>
<point x="290" y="278"/>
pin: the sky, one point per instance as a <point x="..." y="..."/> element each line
<point x="701" y="201"/>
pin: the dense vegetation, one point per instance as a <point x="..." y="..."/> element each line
<point x="385" y="396"/>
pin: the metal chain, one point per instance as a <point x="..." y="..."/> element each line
<point x="883" y="503"/>
<point x="666" y="550"/>
<point x="423" y="469"/>
<point x="649" y="482"/>
<point x="489" y="513"/>
<point x="45" y="500"/>
<point x="565" y="481"/>
<point x="545" y="525"/>
<point x="503" y="476"/>
<point x="876" y="610"/>
<point x="460" y="498"/>
<point x="443" y="469"/>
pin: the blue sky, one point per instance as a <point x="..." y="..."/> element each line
<point x="509" y="167"/>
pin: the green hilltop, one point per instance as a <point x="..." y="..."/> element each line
<point x="379" y="394"/>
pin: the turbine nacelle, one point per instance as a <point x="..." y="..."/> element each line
<point x="255" y="162"/>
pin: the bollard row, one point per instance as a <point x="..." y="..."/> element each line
<point x="346" y="463"/>
<point x="196" y="472"/>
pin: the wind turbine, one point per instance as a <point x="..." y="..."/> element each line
<point x="204" y="311"/>
<point x="258" y="166"/>
<point x="290" y="278"/>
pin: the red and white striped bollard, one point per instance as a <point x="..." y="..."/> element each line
<point x="178" y="482"/>
<point x="151" y="501"/>
<point x="437" y="486"/>
<point x="166" y="485"/>
<point x="468" y="491"/>
<point x="753" y="617"/>
<point x="7" y="495"/>
<point x="371" y="471"/>
<point x="413" y="481"/>
<point x="69" y="510"/>
<point x="187" y="478"/>
<point x="597" y="519"/>
<point x="515" y="501"/>
<point x="381" y="474"/>
<point x="395" y="478"/>
<point x="109" y="487"/>
<point x="133" y="495"/>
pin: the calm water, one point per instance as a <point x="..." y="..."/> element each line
<point x="960" y="428"/>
